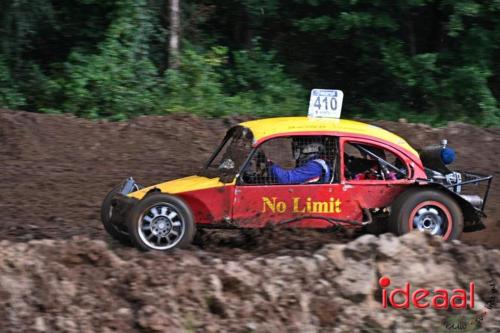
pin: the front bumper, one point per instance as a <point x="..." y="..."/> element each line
<point x="121" y="207"/>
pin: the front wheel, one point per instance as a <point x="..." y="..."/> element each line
<point x="426" y="210"/>
<point x="161" y="222"/>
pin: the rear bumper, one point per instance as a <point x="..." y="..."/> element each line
<point x="474" y="179"/>
<point x="475" y="212"/>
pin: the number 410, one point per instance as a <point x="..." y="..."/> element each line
<point x="324" y="101"/>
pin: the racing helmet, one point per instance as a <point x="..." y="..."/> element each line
<point x="305" y="149"/>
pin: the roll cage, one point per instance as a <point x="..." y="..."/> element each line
<point x="242" y="133"/>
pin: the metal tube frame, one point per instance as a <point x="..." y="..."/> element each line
<point x="479" y="178"/>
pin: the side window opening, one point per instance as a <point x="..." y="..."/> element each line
<point x="294" y="160"/>
<point x="369" y="162"/>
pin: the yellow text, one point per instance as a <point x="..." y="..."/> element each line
<point x="299" y="205"/>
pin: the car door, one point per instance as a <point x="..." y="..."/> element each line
<point x="260" y="200"/>
<point x="364" y="181"/>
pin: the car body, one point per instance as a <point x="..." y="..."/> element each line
<point x="234" y="190"/>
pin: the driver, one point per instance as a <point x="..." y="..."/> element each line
<point x="310" y="166"/>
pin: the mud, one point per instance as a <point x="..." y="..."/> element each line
<point x="82" y="285"/>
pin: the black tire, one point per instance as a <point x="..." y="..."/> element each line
<point x="106" y="210"/>
<point x="148" y="225"/>
<point x="432" y="205"/>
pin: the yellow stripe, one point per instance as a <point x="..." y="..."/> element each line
<point x="272" y="126"/>
<point x="192" y="183"/>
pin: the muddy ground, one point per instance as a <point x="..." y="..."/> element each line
<point x="60" y="272"/>
<point x="56" y="169"/>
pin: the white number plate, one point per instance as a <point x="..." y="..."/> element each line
<point x="325" y="103"/>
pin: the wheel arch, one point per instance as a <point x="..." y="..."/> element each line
<point x="153" y="191"/>
<point x="472" y="217"/>
<point x="184" y="213"/>
<point x="202" y="212"/>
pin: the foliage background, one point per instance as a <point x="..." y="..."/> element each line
<point x="425" y="60"/>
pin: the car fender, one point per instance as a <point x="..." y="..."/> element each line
<point x="472" y="216"/>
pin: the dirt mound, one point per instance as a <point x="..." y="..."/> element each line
<point x="83" y="285"/>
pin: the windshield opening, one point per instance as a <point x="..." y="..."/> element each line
<point x="230" y="155"/>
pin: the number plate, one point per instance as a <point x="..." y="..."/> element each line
<point x="325" y="103"/>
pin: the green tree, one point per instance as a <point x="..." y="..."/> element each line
<point x="426" y="60"/>
<point x="119" y="80"/>
<point x="10" y="97"/>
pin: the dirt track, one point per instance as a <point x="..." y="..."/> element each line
<point x="55" y="169"/>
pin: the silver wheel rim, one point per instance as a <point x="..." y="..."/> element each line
<point x="430" y="219"/>
<point x="161" y="226"/>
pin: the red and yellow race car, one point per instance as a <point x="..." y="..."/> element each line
<point x="362" y="175"/>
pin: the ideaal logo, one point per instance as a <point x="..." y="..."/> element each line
<point x="301" y="206"/>
<point x="440" y="299"/>
<point x="423" y="298"/>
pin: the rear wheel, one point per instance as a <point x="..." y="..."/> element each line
<point x="106" y="212"/>
<point x="426" y="210"/>
<point x="161" y="222"/>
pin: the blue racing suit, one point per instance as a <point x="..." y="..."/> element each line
<point x="312" y="171"/>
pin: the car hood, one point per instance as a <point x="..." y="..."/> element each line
<point x="186" y="184"/>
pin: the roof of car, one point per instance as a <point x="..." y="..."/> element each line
<point x="268" y="127"/>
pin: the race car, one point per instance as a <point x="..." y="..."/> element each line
<point x="370" y="178"/>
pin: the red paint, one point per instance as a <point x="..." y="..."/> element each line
<point x="290" y="201"/>
<point x="412" y="162"/>
<point x="440" y="298"/>
<point x="210" y="206"/>
<point x="245" y="205"/>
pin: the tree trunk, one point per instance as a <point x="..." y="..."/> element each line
<point x="175" y="31"/>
